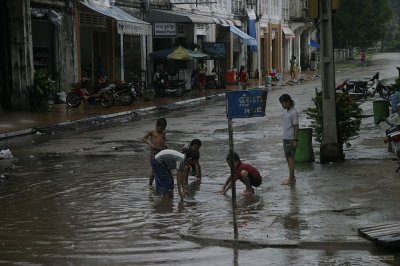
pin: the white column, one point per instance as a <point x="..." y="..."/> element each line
<point x="121" y="38"/>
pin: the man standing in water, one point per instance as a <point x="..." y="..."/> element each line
<point x="290" y="134"/>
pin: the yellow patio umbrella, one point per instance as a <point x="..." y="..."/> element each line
<point x="180" y="53"/>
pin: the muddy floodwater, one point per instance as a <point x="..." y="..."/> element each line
<point x="82" y="197"/>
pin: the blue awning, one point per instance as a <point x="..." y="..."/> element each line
<point x="126" y="24"/>
<point x="246" y="38"/>
<point x="314" y="44"/>
<point x="252" y="32"/>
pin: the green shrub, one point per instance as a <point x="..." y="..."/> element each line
<point x="348" y="117"/>
<point x="44" y="85"/>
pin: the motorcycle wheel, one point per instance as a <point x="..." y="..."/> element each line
<point x="126" y="98"/>
<point x="73" y="99"/>
<point x="179" y="91"/>
<point x="107" y="100"/>
<point x="150" y="95"/>
<point x="384" y="93"/>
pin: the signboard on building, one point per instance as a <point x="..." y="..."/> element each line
<point x="246" y="103"/>
<point x="133" y="28"/>
<point x="201" y="29"/>
<point x="164" y="30"/>
<point x="215" y="50"/>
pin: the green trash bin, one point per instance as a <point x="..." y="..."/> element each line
<point x="381" y="110"/>
<point x="304" y="150"/>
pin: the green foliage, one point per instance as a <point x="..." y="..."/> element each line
<point x="361" y="23"/>
<point x="43" y="84"/>
<point x="348" y="116"/>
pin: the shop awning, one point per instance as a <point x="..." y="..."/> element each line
<point x="126" y="24"/>
<point x="246" y="38"/>
<point x="288" y="33"/>
<point x="227" y="22"/>
<point x="174" y="16"/>
<point x="251" y="27"/>
<point x="170" y="16"/>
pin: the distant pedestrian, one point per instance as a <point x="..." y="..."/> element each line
<point x="363" y="57"/>
<point x="245" y="172"/>
<point x="290" y="134"/>
<point x="293" y="67"/>
<point x="195" y="144"/>
<point x="156" y="139"/>
<point x="201" y="72"/>
<point x="167" y="160"/>
<point x="243" y="78"/>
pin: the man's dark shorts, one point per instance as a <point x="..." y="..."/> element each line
<point x="163" y="177"/>
<point x="288" y="148"/>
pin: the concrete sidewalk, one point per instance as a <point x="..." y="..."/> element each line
<point x="16" y="123"/>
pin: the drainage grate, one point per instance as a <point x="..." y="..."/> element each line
<point x="88" y="123"/>
<point x="52" y="129"/>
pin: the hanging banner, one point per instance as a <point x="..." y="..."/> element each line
<point x="246" y="103"/>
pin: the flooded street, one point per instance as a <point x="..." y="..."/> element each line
<point x="82" y="198"/>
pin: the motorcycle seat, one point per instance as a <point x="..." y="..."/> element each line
<point x="177" y="81"/>
<point x="392" y="129"/>
<point x="358" y="82"/>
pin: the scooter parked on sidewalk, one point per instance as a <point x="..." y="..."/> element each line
<point x="365" y="88"/>
<point x="125" y="93"/>
<point x="393" y="136"/>
<point x="163" y="86"/>
<point x="101" y="94"/>
<point x="378" y="87"/>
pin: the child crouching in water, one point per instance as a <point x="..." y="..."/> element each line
<point x="246" y="173"/>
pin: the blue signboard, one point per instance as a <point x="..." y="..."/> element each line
<point x="246" y="103"/>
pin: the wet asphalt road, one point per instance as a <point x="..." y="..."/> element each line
<point x="82" y="198"/>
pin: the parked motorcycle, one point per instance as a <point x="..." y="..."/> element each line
<point x="101" y="94"/>
<point x="378" y="87"/>
<point x="354" y="86"/>
<point x="141" y="92"/>
<point x="125" y="93"/>
<point x="213" y="82"/>
<point x="162" y="85"/>
<point x="393" y="136"/>
<point x="366" y="88"/>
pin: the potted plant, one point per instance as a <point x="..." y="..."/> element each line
<point x="44" y="90"/>
<point x="348" y="117"/>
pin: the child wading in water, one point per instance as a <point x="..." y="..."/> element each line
<point x="195" y="144"/>
<point x="166" y="161"/>
<point x="290" y="134"/>
<point x="156" y="140"/>
<point x="246" y="173"/>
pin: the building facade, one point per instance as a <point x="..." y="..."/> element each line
<point x="116" y="38"/>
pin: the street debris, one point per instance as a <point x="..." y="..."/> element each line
<point x="6" y="154"/>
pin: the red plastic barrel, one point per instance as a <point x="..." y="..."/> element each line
<point x="230" y="77"/>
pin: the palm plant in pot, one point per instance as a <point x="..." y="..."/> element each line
<point x="44" y="90"/>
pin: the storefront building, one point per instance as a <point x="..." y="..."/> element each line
<point x="112" y="42"/>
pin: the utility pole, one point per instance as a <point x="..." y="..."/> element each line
<point x="330" y="150"/>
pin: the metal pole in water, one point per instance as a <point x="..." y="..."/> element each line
<point x="231" y="151"/>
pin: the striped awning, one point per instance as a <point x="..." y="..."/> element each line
<point x="246" y="38"/>
<point x="227" y="22"/>
<point x="126" y="23"/>
<point x="174" y="16"/>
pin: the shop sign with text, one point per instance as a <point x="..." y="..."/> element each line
<point x="164" y="29"/>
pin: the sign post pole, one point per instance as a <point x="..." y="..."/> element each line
<point x="241" y="104"/>
<point x="231" y="152"/>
